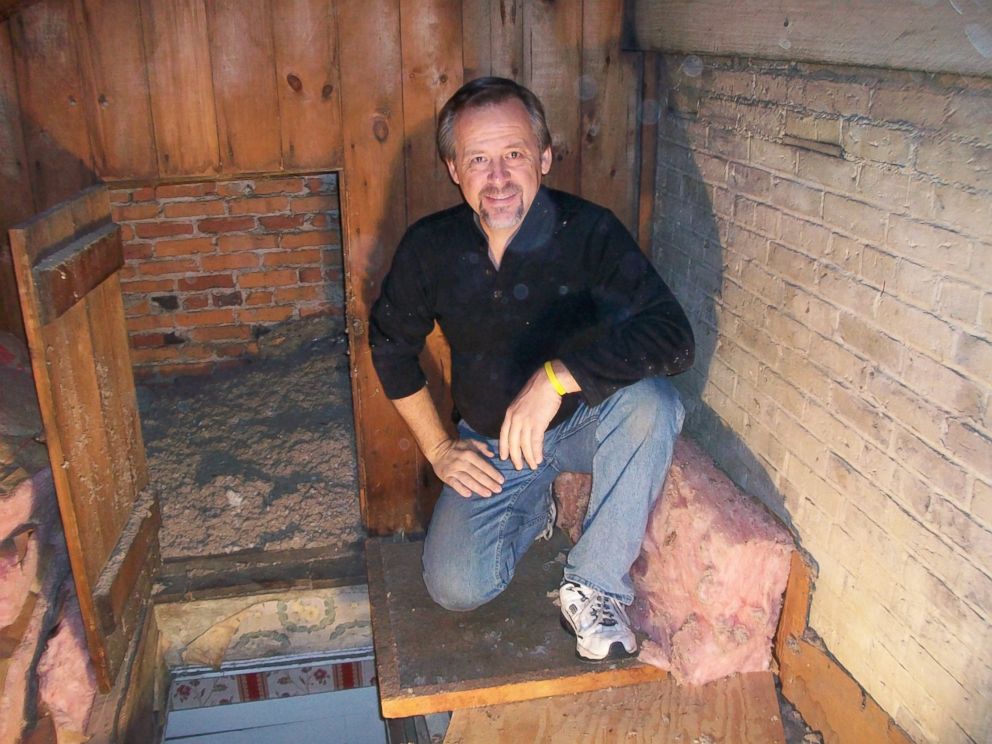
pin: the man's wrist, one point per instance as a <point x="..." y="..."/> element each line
<point x="549" y="371"/>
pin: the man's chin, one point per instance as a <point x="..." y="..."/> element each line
<point x="502" y="220"/>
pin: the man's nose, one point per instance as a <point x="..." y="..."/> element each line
<point x="498" y="170"/>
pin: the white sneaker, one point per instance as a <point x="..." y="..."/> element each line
<point x="598" y="622"/>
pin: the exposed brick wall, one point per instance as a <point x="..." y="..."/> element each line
<point x="211" y="265"/>
<point x="830" y="232"/>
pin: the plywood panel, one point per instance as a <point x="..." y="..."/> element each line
<point x="373" y="207"/>
<point x="936" y="37"/>
<point x="51" y="98"/>
<point x="740" y="710"/>
<point x="509" y="649"/>
<point x="242" y="57"/>
<point x="476" y="38"/>
<point x="182" y="95"/>
<point x="112" y="53"/>
<point x="609" y="113"/>
<point x="552" y="69"/>
<point x="308" y="84"/>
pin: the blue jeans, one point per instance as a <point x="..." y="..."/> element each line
<point x="626" y="442"/>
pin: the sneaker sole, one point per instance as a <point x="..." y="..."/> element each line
<point x="617" y="650"/>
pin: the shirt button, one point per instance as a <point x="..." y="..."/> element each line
<point x="497" y="294"/>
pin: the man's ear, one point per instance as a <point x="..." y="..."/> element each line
<point x="452" y="171"/>
<point x="546" y="158"/>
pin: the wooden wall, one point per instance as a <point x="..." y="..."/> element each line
<point x="153" y="90"/>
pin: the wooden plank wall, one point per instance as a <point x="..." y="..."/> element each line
<point x="146" y="91"/>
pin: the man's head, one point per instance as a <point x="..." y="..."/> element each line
<point x="493" y="136"/>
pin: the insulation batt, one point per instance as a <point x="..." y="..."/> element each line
<point x="67" y="685"/>
<point x="711" y="574"/>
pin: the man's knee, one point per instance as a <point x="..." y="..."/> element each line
<point x="653" y="404"/>
<point x="453" y="592"/>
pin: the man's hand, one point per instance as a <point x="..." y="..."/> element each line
<point x="521" y="437"/>
<point x="462" y="464"/>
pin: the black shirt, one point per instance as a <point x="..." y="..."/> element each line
<point x="572" y="285"/>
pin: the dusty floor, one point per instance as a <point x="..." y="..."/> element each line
<point x="259" y="457"/>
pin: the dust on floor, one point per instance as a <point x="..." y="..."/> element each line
<point x="261" y="456"/>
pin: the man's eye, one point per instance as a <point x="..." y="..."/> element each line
<point x="514" y="154"/>
<point x="478" y="159"/>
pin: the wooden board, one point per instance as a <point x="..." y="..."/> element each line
<point x="919" y="36"/>
<point x="307" y="66"/>
<point x="476" y="41"/>
<point x="116" y="83"/>
<point x="87" y="399"/>
<point x="552" y="59"/>
<point x="52" y="102"/>
<point x="182" y="92"/>
<point x="650" y="104"/>
<point x="742" y="709"/>
<point x="431" y="660"/>
<point x="242" y="57"/>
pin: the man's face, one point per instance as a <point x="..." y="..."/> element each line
<point x="498" y="164"/>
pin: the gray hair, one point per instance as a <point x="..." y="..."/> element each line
<point x="488" y="91"/>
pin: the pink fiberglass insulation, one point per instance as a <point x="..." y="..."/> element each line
<point x="19" y="565"/>
<point x="32" y="501"/>
<point x="67" y="685"/>
<point x="711" y="574"/>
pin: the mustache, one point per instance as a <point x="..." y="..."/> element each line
<point x="493" y="192"/>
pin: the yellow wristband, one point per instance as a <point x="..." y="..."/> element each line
<point x="555" y="382"/>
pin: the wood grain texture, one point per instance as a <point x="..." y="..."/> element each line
<point x="552" y="62"/>
<point x="307" y="66"/>
<point x="476" y="39"/>
<point x="181" y="88"/>
<point x="51" y="99"/>
<point x="506" y="38"/>
<point x="115" y="77"/>
<point x="650" y="114"/>
<point x="919" y="36"/>
<point x="610" y="123"/>
<point x="390" y="466"/>
<point x="242" y="57"/>
<point x="740" y="710"/>
<point x="509" y="649"/>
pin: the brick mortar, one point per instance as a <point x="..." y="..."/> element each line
<point x="868" y="425"/>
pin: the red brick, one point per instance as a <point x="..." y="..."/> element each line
<point x="259" y="298"/>
<point x="162" y="229"/>
<point x="130" y="212"/>
<point x="311" y="276"/>
<point x="156" y="354"/>
<point x="234" y="188"/>
<point x="221" y="333"/>
<point x="149" y="285"/>
<point x="137" y="251"/>
<point x="127" y="233"/>
<point x="317" y="237"/>
<point x="149" y="323"/>
<point x="291" y="258"/>
<point x="205" y="281"/>
<point x="282" y="222"/>
<point x="185" y="247"/>
<point x="198" y="208"/>
<point x="263" y="314"/>
<point x="234" y="350"/>
<point x="263" y="205"/>
<point x="267" y="278"/>
<point x="230" y="243"/>
<point x="324" y="308"/>
<point x="146" y="340"/>
<point x="318" y="185"/>
<point x="195" y="302"/>
<point x="230" y="261"/>
<point x="174" y="190"/>
<point x="226" y="224"/>
<point x="226" y="299"/>
<point x="314" y="204"/>
<point x="279" y="186"/>
<point x="165" y="371"/>
<point x="291" y="294"/>
<point x="204" y="318"/>
<point x="320" y="221"/>
<point x="136" y="305"/>
<point x="174" y="266"/>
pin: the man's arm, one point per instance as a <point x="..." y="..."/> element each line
<point x="521" y="437"/>
<point x="461" y="463"/>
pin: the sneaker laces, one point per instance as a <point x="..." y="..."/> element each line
<point x="602" y="610"/>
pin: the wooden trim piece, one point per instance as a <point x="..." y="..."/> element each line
<point x="67" y="274"/>
<point x="935" y="37"/>
<point x="650" y="114"/>
<point x="827" y="696"/>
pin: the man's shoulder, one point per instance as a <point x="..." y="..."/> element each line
<point x="457" y="217"/>
<point x="569" y="206"/>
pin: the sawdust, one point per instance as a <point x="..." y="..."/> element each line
<point x="261" y="456"/>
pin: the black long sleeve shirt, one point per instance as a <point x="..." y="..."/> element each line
<point x="572" y="285"/>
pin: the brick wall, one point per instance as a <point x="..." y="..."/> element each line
<point x="211" y="265"/>
<point x="830" y="232"/>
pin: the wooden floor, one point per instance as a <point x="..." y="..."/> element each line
<point x="739" y="710"/>
<point x="431" y="660"/>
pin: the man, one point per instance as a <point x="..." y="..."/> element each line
<point x="561" y="333"/>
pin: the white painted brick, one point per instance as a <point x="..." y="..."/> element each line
<point x="771" y="87"/>
<point x="968" y="115"/>
<point x="815" y="128"/>
<point x="767" y="122"/>
<point x="832" y="173"/>
<point x="905" y="405"/>
<point x="880" y="144"/>
<point x="839" y="362"/>
<point x="911" y="104"/>
<point x="947" y="477"/>
<point x="969" y="213"/>
<point x="773" y="156"/>
<point x="943" y="386"/>
<point x="981" y="502"/>
<point x="795" y="197"/>
<point x="841" y="98"/>
<point x="956" y="162"/>
<point x="866" y="418"/>
<point x="974" y="355"/>
<point x="845" y="253"/>
<point x="971" y="447"/>
<point x="847" y="292"/>
<point x="821" y="317"/>
<point x="854" y="217"/>
<point x="884" y="186"/>
<point x="916" y="327"/>
<point x="802" y="235"/>
<point x="800" y="269"/>
<point x="930" y="245"/>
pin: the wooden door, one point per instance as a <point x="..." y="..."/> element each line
<point x="67" y="261"/>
